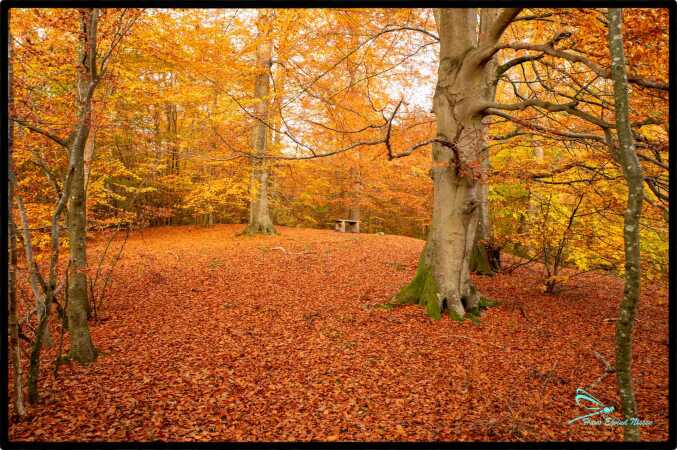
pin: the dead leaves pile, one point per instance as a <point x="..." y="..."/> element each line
<point x="209" y="336"/>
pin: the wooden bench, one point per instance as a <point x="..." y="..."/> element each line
<point x="353" y="225"/>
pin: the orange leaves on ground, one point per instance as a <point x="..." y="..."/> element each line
<point x="211" y="337"/>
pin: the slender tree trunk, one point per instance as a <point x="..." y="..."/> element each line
<point x="627" y="157"/>
<point x="485" y="259"/>
<point x="260" y="221"/>
<point x="532" y="208"/>
<point x="34" y="363"/>
<point x="44" y="298"/>
<point x="442" y="279"/>
<point x="14" y="348"/>
<point x="82" y="349"/>
<point x="171" y="113"/>
<point x="353" y="91"/>
<point x="355" y="212"/>
<point x="89" y="156"/>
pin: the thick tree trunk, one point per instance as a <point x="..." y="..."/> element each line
<point x="82" y="348"/>
<point x="14" y="348"/>
<point x="260" y="221"/>
<point x="442" y="280"/>
<point x="354" y="91"/>
<point x="627" y="157"/>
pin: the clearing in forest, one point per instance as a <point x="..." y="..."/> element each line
<point x="211" y="336"/>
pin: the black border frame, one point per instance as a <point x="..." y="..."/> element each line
<point x="6" y="5"/>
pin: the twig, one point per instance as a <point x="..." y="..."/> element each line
<point x="548" y="377"/>
<point x="511" y="268"/>
<point x="608" y="369"/>
<point x="109" y="276"/>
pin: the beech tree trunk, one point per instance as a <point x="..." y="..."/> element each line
<point x="442" y="280"/>
<point x="77" y="311"/>
<point x="355" y="172"/>
<point x="632" y="170"/>
<point x="260" y="221"/>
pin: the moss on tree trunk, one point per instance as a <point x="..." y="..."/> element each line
<point x="425" y="291"/>
<point x="422" y="290"/>
<point x="485" y="259"/>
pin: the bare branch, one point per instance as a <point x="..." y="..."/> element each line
<point x="420" y="30"/>
<point x="549" y="49"/>
<point x="500" y="70"/>
<point x="536" y="17"/>
<point x="389" y="129"/>
<point x="569" y="108"/>
<point x="45" y="133"/>
<point x="533" y="126"/>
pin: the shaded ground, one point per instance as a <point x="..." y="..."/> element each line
<point x="208" y="336"/>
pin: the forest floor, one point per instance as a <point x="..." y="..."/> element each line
<point x="209" y="336"/>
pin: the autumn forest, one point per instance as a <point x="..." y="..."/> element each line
<point x="342" y="224"/>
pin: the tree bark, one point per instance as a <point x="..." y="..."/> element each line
<point x="632" y="170"/>
<point x="14" y="348"/>
<point x="355" y="210"/>
<point x="171" y="113"/>
<point x="442" y="279"/>
<point x="260" y="221"/>
<point x="89" y="156"/>
<point x="44" y="298"/>
<point x="532" y="209"/>
<point x="82" y="349"/>
<point x="485" y="258"/>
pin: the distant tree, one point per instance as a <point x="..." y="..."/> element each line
<point x="260" y="221"/>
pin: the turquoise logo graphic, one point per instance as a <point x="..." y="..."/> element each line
<point x="589" y="402"/>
